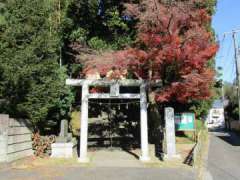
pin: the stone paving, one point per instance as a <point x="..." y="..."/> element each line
<point x="114" y="158"/>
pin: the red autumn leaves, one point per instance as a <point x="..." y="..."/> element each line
<point x="173" y="44"/>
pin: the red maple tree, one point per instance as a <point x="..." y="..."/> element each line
<point x="173" y="44"/>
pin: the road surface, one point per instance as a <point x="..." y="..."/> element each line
<point x="224" y="156"/>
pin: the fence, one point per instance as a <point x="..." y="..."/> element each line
<point x="15" y="139"/>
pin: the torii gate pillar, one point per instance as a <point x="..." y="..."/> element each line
<point x="84" y="125"/>
<point x="144" y="124"/>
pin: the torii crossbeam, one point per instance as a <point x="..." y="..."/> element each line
<point x="114" y="94"/>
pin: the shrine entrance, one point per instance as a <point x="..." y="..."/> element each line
<point x="114" y="86"/>
<point x="114" y="124"/>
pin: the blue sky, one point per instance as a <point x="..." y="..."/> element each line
<point x="227" y="18"/>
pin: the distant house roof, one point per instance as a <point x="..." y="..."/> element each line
<point x="217" y="104"/>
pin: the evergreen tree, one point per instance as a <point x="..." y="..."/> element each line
<point x="93" y="26"/>
<point x="32" y="83"/>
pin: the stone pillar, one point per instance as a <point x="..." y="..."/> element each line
<point x="170" y="133"/>
<point x="84" y="125"/>
<point x="4" y="123"/>
<point x="114" y="89"/>
<point x="144" y="124"/>
<point x="64" y="128"/>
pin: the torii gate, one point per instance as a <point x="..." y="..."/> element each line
<point x="114" y="94"/>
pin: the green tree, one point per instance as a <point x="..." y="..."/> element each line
<point x="230" y="91"/>
<point x="32" y="82"/>
<point x="86" y="31"/>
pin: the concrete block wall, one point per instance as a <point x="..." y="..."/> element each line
<point x="15" y="139"/>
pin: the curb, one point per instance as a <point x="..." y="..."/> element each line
<point x="203" y="173"/>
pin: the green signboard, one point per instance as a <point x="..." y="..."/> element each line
<point x="185" y="121"/>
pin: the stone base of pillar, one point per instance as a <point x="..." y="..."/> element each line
<point x="145" y="158"/>
<point x="62" y="150"/>
<point x="83" y="160"/>
<point x="172" y="157"/>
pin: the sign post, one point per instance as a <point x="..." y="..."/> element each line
<point x="186" y="122"/>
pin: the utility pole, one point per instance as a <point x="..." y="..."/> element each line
<point x="220" y="70"/>
<point x="237" y="62"/>
<point x="223" y="98"/>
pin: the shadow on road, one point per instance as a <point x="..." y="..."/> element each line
<point x="228" y="136"/>
<point x="231" y="139"/>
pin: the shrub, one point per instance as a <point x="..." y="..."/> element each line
<point x="75" y="123"/>
<point x="42" y="144"/>
<point x="97" y="43"/>
<point x="79" y="35"/>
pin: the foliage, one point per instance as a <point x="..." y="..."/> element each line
<point x="79" y="35"/>
<point x="32" y="83"/>
<point x="103" y="31"/>
<point x="2" y="18"/>
<point x="200" y="125"/>
<point x="175" y="48"/>
<point x="230" y="93"/>
<point x="98" y="44"/>
<point x="75" y="123"/>
<point x="208" y="4"/>
<point x="42" y="144"/>
<point x="201" y="107"/>
<point x="174" y="45"/>
<point x="114" y="22"/>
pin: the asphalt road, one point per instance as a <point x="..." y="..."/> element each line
<point x="72" y="173"/>
<point x="224" y="156"/>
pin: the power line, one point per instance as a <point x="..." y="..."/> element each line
<point x="221" y="48"/>
<point x="226" y="59"/>
<point x="233" y="70"/>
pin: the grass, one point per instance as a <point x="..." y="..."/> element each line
<point x="185" y="137"/>
<point x="189" y="137"/>
<point x="167" y="164"/>
<point x="184" y="140"/>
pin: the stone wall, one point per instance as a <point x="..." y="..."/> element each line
<point x="15" y="139"/>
